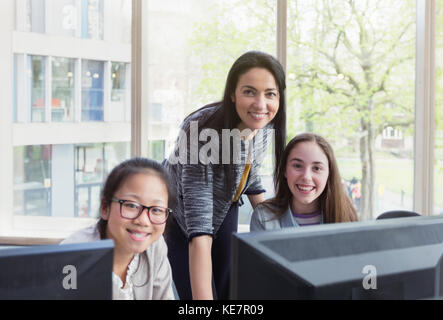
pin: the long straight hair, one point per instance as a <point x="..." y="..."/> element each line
<point x="334" y="202"/>
<point x="226" y="116"/>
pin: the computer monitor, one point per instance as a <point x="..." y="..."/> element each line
<point x="385" y="259"/>
<point x="57" y="272"/>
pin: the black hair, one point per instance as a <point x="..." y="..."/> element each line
<point x="118" y="176"/>
<point x="123" y="172"/>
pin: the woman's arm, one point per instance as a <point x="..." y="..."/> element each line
<point x="200" y="267"/>
<point x="255" y="199"/>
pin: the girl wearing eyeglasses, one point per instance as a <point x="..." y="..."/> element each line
<point x="134" y="208"/>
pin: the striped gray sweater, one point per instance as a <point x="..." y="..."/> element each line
<point x="203" y="204"/>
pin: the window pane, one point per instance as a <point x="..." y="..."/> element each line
<point x="351" y="76"/>
<point x="115" y="152"/>
<point x="37" y="75"/>
<point x="157" y="150"/>
<point x="65" y="80"/>
<point x="64" y="18"/>
<point x="35" y="16"/>
<point x="32" y="180"/>
<point x="438" y="150"/>
<point x="119" y="92"/>
<point x="121" y="22"/>
<point x="92" y="19"/>
<point x="92" y="90"/>
<point x="93" y="163"/>
<point x="63" y="94"/>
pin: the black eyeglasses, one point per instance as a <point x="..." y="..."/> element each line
<point x="132" y="210"/>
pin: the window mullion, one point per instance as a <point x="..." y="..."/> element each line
<point x="282" y="8"/>
<point x="424" y="108"/>
<point x="139" y="77"/>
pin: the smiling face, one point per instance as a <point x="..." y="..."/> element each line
<point x="256" y="98"/>
<point x="307" y="172"/>
<point x="135" y="236"/>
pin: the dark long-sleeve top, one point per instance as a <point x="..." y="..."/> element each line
<point x="202" y="196"/>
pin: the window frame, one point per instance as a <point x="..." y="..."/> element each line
<point x="424" y="116"/>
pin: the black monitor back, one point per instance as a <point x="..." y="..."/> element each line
<point x="80" y="271"/>
<point x="334" y="261"/>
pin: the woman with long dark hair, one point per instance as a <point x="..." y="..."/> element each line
<point x="211" y="175"/>
<point x="308" y="188"/>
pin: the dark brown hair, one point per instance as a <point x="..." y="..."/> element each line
<point x="226" y="116"/>
<point x="334" y="202"/>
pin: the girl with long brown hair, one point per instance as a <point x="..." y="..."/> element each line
<point x="308" y="187"/>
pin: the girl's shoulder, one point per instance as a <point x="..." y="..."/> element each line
<point x="266" y="211"/>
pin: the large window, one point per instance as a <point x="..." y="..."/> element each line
<point x="63" y="180"/>
<point x="189" y="70"/>
<point x="70" y="111"/>
<point x="351" y="79"/>
<point x="351" y="76"/>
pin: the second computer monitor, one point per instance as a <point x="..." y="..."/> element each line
<point x="386" y="259"/>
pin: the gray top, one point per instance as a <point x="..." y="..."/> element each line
<point x="264" y="219"/>
<point x="154" y="264"/>
<point x="202" y="206"/>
